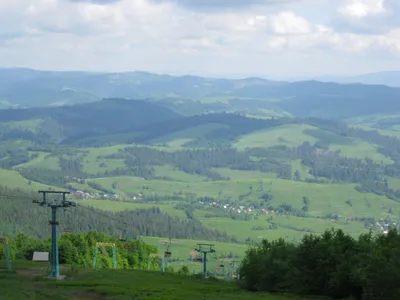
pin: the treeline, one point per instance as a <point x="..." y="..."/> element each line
<point x="12" y="156"/>
<point x="45" y="176"/>
<point x="198" y="161"/>
<point x="231" y="125"/>
<point x="388" y="145"/>
<point x="77" y="249"/>
<point x="228" y="127"/>
<point x="333" y="264"/>
<point x="19" y="214"/>
<point x="323" y="163"/>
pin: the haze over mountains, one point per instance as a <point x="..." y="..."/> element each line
<point x="32" y="88"/>
<point x="389" y="78"/>
<point x="78" y="107"/>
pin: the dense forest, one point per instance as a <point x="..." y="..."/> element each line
<point x="333" y="264"/>
<point x="19" y="214"/>
<point x="77" y="250"/>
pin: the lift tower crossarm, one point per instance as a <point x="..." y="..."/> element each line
<point x="54" y="205"/>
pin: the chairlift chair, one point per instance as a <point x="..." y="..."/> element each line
<point x="167" y="252"/>
<point x="199" y="258"/>
<point x="66" y="229"/>
<point x="124" y="240"/>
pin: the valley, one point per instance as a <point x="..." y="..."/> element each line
<point x="231" y="170"/>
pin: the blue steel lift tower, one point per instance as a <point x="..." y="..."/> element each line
<point x="54" y="205"/>
<point x="205" y="248"/>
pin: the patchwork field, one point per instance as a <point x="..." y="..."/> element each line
<point x="324" y="198"/>
<point x="248" y="203"/>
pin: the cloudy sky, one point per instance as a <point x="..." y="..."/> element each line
<point x="270" y="38"/>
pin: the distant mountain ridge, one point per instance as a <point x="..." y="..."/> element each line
<point x="388" y="78"/>
<point x="193" y="95"/>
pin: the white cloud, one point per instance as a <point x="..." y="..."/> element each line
<point x="362" y="8"/>
<point x="163" y="36"/>
<point x="289" y="23"/>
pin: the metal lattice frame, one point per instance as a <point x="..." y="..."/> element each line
<point x="4" y="241"/>
<point x="152" y="257"/>
<point x="96" y="252"/>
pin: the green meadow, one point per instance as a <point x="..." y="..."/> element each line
<point x="28" y="282"/>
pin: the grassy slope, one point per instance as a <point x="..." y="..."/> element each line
<point x="28" y="283"/>
<point x="289" y="135"/>
<point x="290" y="228"/>
<point x="177" y="175"/>
<point x="295" y="135"/>
<point x="324" y="198"/>
<point x="13" y="179"/>
<point x="113" y="206"/>
<point x="371" y="120"/>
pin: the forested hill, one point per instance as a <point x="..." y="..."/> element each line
<point x="18" y="214"/>
<point x="108" y="116"/>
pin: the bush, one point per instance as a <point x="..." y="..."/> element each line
<point x="333" y="264"/>
<point x="184" y="271"/>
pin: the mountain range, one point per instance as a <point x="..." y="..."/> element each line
<point x="32" y="88"/>
<point x="389" y="78"/>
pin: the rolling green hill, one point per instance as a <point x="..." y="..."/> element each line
<point x="248" y="178"/>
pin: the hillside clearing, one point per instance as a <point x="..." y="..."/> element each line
<point x="288" y="135"/>
<point x="120" y="284"/>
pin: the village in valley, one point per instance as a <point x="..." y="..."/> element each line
<point x="380" y="225"/>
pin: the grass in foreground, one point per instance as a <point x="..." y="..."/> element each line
<point x="28" y="283"/>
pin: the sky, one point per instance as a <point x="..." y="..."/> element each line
<point x="229" y="38"/>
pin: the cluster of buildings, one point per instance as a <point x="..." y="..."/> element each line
<point x="238" y="208"/>
<point x="91" y="195"/>
<point x="384" y="225"/>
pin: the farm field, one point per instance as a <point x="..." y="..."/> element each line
<point x="324" y="198"/>
<point x="13" y="179"/>
<point x="115" y="206"/>
<point x="288" y="227"/>
<point x="289" y="135"/>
